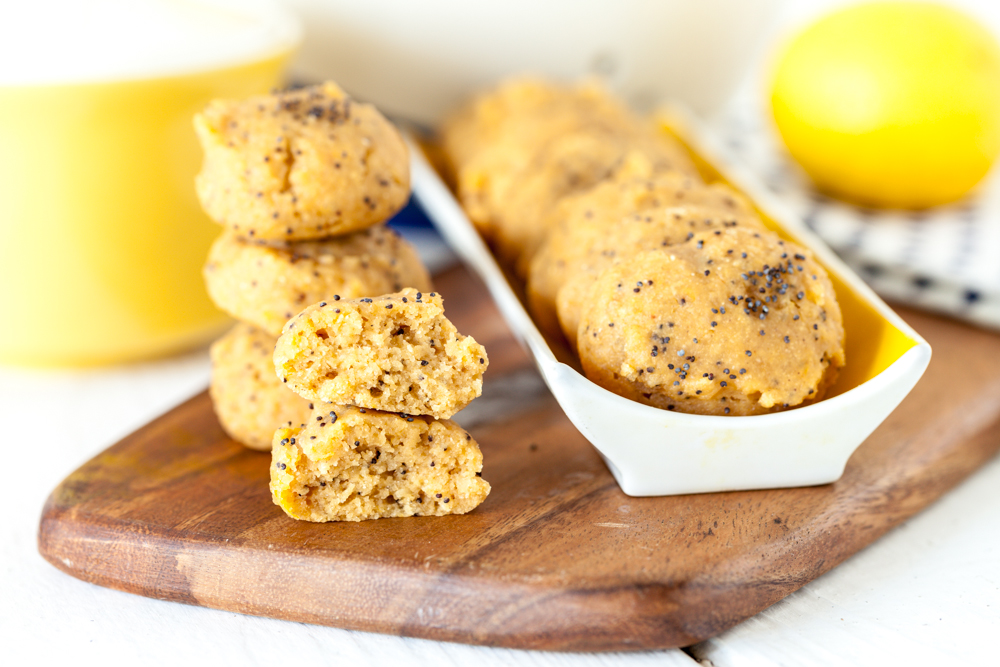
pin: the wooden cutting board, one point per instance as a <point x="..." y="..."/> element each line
<point x="556" y="558"/>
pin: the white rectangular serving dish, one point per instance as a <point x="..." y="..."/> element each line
<point x="653" y="452"/>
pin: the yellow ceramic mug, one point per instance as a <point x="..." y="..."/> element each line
<point x="101" y="236"/>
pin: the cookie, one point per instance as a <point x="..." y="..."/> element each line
<point x="266" y="285"/>
<point x="249" y="400"/>
<point x="519" y="150"/>
<point x="580" y="221"/>
<point x="353" y="464"/>
<point x="530" y="105"/>
<point x="300" y="164"/>
<point x="730" y="322"/>
<point x="397" y="353"/>
<point x="652" y="229"/>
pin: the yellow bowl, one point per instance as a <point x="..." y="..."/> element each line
<point x="101" y="236"/>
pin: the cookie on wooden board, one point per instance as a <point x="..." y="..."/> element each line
<point x="397" y="353"/>
<point x="351" y="464"/>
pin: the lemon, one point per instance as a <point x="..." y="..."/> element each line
<point x="892" y="104"/>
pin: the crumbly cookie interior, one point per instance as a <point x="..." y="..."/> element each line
<point x="397" y="353"/>
<point x="351" y="464"/>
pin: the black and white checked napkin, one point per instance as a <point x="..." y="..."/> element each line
<point x="945" y="259"/>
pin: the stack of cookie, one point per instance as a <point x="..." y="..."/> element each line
<point x="384" y="375"/>
<point x="302" y="181"/>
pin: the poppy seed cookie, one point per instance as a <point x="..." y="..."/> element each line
<point x="396" y="353"/>
<point x="654" y="229"/>
<point x="300" y="164"/>
<point x="249" y="400"/>
<point x="583" y="220"/>
<point x="517" y="150"/>
<point x="731" y="322"/>
<point x="267" y="284"/>
<point x="351" y="464"/>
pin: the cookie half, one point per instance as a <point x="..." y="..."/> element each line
<point x="352" y="464"/>
<point x="397" y="353"/>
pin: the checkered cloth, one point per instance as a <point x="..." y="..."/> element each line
<point x="946" y="259"/>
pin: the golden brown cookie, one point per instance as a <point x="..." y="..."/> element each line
<point x="518" y="150"/>
<point x="352" y="464"/>
<point x="583" y="220"/>
<point x="397" y="353"/>
<point x="249" y="400"/>
<point x="733" y="321"/>
<point x="300" y="164"/>
<point x="267" y="284"/>
<point x="639" y="232"/>
<point x="535" y="108"/>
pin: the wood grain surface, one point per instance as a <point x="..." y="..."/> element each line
<point x="556" y="558"/>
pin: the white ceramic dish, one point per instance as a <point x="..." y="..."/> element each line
<point x="419" y="60"/>
<point x="654" y="452"/>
